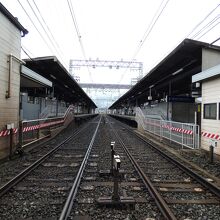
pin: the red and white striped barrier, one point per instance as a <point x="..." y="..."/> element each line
<point x="5" y="133"/>
<point x="210" y="135"/>
<point x="179" y="130"/>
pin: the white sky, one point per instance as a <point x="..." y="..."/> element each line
<point x="112" y="30"/>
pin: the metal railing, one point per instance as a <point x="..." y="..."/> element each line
<point x="52" y="110"/>
<point x="154" y="113"/>
<point x="182" y="133"/>
<point x="34" y="130"/>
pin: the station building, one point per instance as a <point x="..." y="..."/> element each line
<point x="57" y="92"/>
<point x="11" y="32"/>
<point x="167" y="92"/>
<point x="37" y="93"/>
<point x="209" y="80"/>
<point x="33" y="90"/>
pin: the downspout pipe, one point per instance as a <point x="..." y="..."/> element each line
<point x="11" y="58"/>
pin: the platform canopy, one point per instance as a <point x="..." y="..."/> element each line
<point x="207" y="74"/>
<point x="172" y="76"/>
<point x="65" y="87"/>
<point x="31" y="79"/>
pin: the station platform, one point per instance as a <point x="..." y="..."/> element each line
<point x="128" y="119"/>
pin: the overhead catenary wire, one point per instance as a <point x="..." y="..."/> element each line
<point x="208" y="30"/>
<point x="78" y="33"/>
<point x="203" y="20"/>
<point x="216" y="40"/>
<point x="199" y="24"/>
<point x="49" y="47"/>
<point x="58" y="46"/>
<point x="149" y="29"/>
<point x="151" y="26"/>
<point x="46" y="32"/>
<point x="206" y="26"/>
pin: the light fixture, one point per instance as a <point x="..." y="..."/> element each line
<point x="149" y="97"/>
<point x="178" y="71"/>
<point x="197" y="84"/>
<point x="53" y="76"/>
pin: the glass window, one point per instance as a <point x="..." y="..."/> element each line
<point x="210" y="111"/>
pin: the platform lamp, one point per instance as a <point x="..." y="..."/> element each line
<point x="150" y="96"/>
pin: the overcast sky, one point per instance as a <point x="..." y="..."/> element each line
<point x="113" y="30"/>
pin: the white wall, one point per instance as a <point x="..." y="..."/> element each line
<point x="210" y="94"/>
<point x="10" y="43"/>
<point x="210" y="58"/>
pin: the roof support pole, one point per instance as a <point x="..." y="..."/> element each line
<point x="136" y="102"/>
<point x="168" y="103"/>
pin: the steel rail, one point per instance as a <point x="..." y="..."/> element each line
<point x="71" y="197"/>
<point x="161" y="204"/>
<point x="7" y="186"/>
<point x="208" y="185"/>
<point x="211" y="187"/>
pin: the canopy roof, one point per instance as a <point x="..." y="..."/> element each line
<point x="176" y="69"/>
<point x="64" y="84"/>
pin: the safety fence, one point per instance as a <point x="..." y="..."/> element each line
<point x="53" y="111"/>
<point x="33" y="130"/>
<point x="182" y="133"/>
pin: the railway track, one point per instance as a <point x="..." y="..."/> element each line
<point x="11" y="168"/>
<point x="180" y="192"/>
<point x="41" y="189"/>
<point x="98" y="183"/>
<point x="77" y="182"/>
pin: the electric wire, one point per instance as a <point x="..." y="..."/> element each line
<point x="206" y="26"/>
<point x="197" y="25"/>
<point x="45" y="31"/>
<point x="58" y="46"/>
<point x="49" y="47"/>
<point x="215" y="40"/>
<point x="148" y="30"/>
<point x="151" y="26"/>
<point x="78" y="33"/>
<point x="208" y="30"/>
<point x="74" y="19"/>
<point x="26" y="53"/>
<point x="202" y="21"/>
